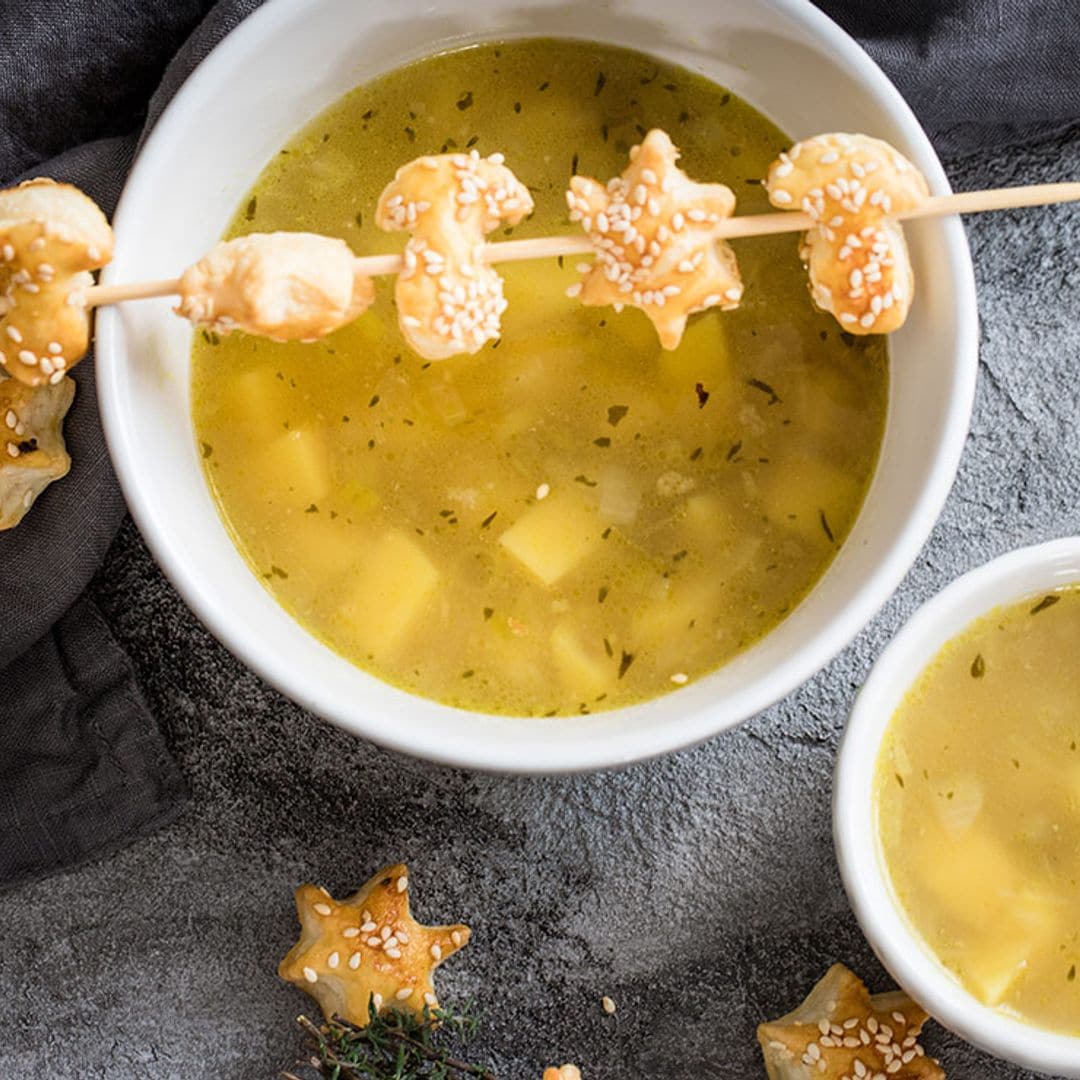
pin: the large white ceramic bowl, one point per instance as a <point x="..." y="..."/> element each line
<point x="284" y="65"/>
<point x="1030" y="572"/>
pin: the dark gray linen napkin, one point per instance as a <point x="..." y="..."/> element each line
<point x="83" y="766"/>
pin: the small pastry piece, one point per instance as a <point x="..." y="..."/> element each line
<point x="367" y="948"/>
<point x="840" y="1032"/>
<point x="563" y="1072"/>
<point x="449" y="300"/>
<point x="51" y="237"/>
<point x="860" y="270"/>
<point x="286" y="286"/>
<point x="32" y="452"/>
<point x="656" y="236"/>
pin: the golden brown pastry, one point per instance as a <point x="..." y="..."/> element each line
<point x="656" y="235"/>
<point x="563" y="1072"/>
<point x="367" y="948"/>
<point x="32" y="454"/>
<point x="852" y="185"/>
<point x="840" y="1032"/>
<point x="51" y="237"/>
<point x="449" y="300"/>
<point x="288" y="286"/>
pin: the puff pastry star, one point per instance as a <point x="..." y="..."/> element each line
<point x="840" y="1032"/>
<point x="657" y="239"/>
<point x="367" y="948"/>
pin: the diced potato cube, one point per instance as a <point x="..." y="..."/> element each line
<point x="797" y="492"/>
<point x="553" y="537"/>
<point x="991" y="966"/>
<point x="390" y="587"/>
<point x="585" y="671"/>
<point x="356" y="499"/>
<point x="258" y="401"/>
<point x="296" y="465"/>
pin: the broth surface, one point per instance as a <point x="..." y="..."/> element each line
<point x="978" y="806"/>
<point x="573" y="519"/>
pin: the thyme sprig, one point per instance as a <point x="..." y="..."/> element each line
<point x="395" y="1045"/>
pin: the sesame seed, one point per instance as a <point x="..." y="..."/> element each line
<point x="377" y="1001"/>
<point x="394" y="954"/>
<point x="368" y="926"/>
<point x="781" y="196"/>
<point x="13" y="333"/>
<point x="375" y="942"/>
<point x="436" y="952"/>
<point x="350" y="931"/>
<point x="404" y="993"/>
<point x="311" y="975"/>
<point x="322" y="909"/>
<point x="542" y="492"/>
<point x="574" y="290"/>
<point x="430" y="999"/>
<point x="680" y="678"/>
<point x="13" y="450"/>
<point x="354" y="961"/>
<point x="333" y="959"/>
<point x="27" y="357"/>
<point x="455" y="937"/>
<point x="607" y="1005"/>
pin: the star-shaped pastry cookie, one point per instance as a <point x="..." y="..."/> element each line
<point x="841" y="1032"/>
<point x="367" y="948"/>
<point x="658" y="242"/>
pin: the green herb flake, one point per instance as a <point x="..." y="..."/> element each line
<point x="624" y="663"/>
<point x="465" y="101"/>
<point x="517" y="106"/>
<point x="608" y="649"/>
<point x="488" y="612"/>
<point x="312" y="509"/>
<point x="978" y="667"/>
<point x="1071" y="977"/>
<point x="616" y="413"/>
<point x="574" y="164"/>
<point x="765" y="388"/>
<point x="252" y="206"/>
<point x="899" y="779"/>
<point x="1046" y="602"/>
<point x="543" y="86"/>
<point x="374" y="401"/>
<point x="826" y="528"/>
<point x="603" y="442"/>
<point x="601" y="594"/>
<point x="734" y="451"/>
<point x="702" y="394"/>
<point x="207" y="450"/>
<point x="581" y="478"/>
<point x="606" y="533"/>
<point x="410" y="134"/>
<point x="601" y="80"/>
<point x="486" y="523"/>
<point x="278" y="572"/>
<point x="697" y="453"/>
<point x="468" y="674"/>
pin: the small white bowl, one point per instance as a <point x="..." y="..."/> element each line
<point x="1029" y="572"/>
<point x="290" y="60"/>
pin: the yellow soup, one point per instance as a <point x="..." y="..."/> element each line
<point x="978" y="805"/>
<point x="573" y="519"/>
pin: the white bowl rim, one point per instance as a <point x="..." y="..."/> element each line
<point x="1007" y="579"/>
<point x="553" y="755"/>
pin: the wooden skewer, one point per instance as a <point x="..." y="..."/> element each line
<point x="967" y="202"/>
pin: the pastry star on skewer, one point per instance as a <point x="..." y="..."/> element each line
<point x="841" y="1032"/>
<point x="367" y="948"/>
<point x="658" y="240"/>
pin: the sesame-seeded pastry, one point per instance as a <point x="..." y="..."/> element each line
<point x="51" y="237"/>
<point x="33" y="454"/>
<point x="287" y="286"/>
<point x="449" y="300"/>
<point x="367" y="948"/>
<point x="563" y="1072"/>
<point x="851" y="185"/>
<point x="655" y="232"/>
<point x="841" y="1032"/>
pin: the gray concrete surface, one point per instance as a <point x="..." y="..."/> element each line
<point x="700" y="891"/>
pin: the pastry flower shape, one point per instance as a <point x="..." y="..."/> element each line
<point x="51" y="237"/>
<point x="367" y="949"/>
<point x="33" y="454"/>
<point x="287" y="286"/>
<point x="840" y="1032"/>
<point x="563" y="1072"/>
<point x="851" y="185"/>
<point x="657" y="238"/>
<point x="449" y="299"/>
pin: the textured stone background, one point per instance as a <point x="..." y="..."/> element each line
<point x="700" y="891"/>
